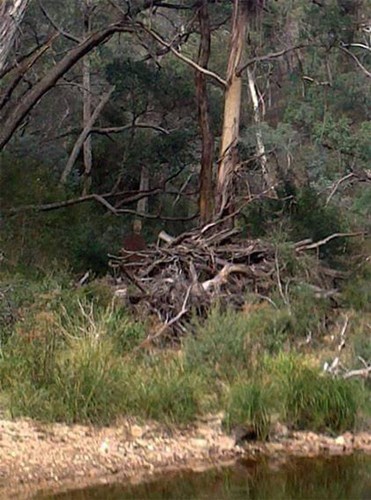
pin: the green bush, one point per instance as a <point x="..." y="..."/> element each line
<point x="304" y="215"/>
<point x="228" y="342"/>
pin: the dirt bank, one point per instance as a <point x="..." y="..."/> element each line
<point x="36" y="457"/>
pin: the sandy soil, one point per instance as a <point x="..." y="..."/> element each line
<point x="38" y="458"/>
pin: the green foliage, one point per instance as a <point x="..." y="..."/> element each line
<point x="85" y="385"/>
<point x="69" y="357"/>
<point x="229" y="342"/>
<point x="250" y="403"/>
<point x="311" y="400"/>
<point x="165" y="391"/>
<point x="357" y="290"/>
<point x="303" y="216"/>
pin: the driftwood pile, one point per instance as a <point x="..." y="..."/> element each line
<point x="180" y="277"/>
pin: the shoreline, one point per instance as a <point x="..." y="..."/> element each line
<point x="37" y="458"/>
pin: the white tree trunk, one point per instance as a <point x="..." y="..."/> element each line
<point x="11" y="15"/>
<point x="232" y="106"/>
<point x="260" y="148"/>
<point x="142" y="204"/>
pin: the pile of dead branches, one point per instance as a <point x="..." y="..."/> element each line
<point x="179" y="277"/>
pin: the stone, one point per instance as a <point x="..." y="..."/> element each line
<point x="199" y="443"/>
<point x="104" y="447"/>
<point x="340" y="440"/>
<point x="136" y="431"/>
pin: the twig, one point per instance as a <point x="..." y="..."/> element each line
<point x="317" y="244"/>
<point x="183" y="58"/>
<point x="336" y="186"/>
<point x="357" y="61"/>
<point x="267" y="57"/>
<point x="168" y="324"/>
<point x="64" y="33"/>
<point x="363" y="372"/>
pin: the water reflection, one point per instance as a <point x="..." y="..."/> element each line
<point x="345" y="478"/>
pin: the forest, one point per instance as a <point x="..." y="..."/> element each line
<point x="185" y="207"/>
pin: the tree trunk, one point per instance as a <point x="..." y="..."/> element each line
<point x="232" y="107"/>
<point x="268" y="176"/>
<point x="207" y="153"/>
<point x="11" y="15"/>
<point x="86" y="82"/>
<point x="142" y="204"/>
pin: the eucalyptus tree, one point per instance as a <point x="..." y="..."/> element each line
<point x="11" y="15"/>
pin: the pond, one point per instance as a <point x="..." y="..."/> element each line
<point x="345" y="478"/>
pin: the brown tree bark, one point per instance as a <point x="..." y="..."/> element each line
<point x="206" y="199"/>
<point x="11" y="15"/>
<point x="10" y="125"/>
<point x="232" y="108"/>
<point x="86" y="81"/>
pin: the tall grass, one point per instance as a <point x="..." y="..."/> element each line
<point x="250" y="403"/>
<point x="69" y="357"/>
<point x="313" y="400"/>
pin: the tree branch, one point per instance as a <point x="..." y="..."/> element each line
<point x="117" y="130"/>
<point x="272" y="55"/>
<point x="67" y="35"/>
<point x="317" y="244"/>
<point x="49" y="80"/>
<point x="84" y="134"/>
<point x="356" y="60"/>
<point x="23" y="67"/>
<point x="183" y="58"/>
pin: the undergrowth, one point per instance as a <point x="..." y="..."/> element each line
<point x="69" y="355"/>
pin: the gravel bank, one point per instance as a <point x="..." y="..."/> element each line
<point x="37" y="457"/>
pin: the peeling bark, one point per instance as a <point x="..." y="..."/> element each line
<point x="260" y="148"/>
<point x="11" y="15"/>
<point x="232" y="107"/>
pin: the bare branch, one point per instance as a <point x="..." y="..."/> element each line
<point x="267" y="57"/>
<point x="336" y="186"/>
<point x="84" y="134"/>
<point x="157" y="216"/>
<point x="359" y="45"/>
<point x="356" y="60"/>
<point x="67" y="35"/>
<point x="317" y="244"/>
<point x="117" y="130"/>
<point x="10" y="125"/>
<point x="102" y="199"/>
<point x="182" y="57"/>
<point x="24" y="66"/>
<point x="363" y="372"/>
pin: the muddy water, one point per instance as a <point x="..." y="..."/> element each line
<point x="345" y="478"/>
